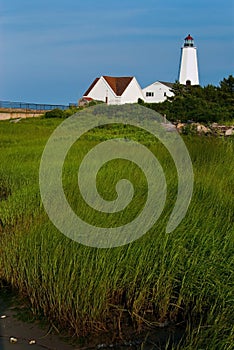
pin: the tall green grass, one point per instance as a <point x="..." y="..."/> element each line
<point x="183" y="278"/>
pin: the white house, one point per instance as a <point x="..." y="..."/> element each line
<point x="114" y="90"/>
<point x="157" y="92"/>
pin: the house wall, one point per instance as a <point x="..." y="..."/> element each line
<point x="132" y="92"/>
<point x="160" y="92"/>
<point x="101" y="90"/>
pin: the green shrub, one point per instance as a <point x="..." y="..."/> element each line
<point x="55" y="113"/>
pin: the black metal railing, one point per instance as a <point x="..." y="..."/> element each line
<point x="31" y="106"/>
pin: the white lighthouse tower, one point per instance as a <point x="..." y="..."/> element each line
<point x="188" y="74"/>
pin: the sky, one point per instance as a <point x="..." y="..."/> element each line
<point x="51" y="50"/>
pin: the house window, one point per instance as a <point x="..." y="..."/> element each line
<point x="165" y="94"/>
<point x="149" y="94"/>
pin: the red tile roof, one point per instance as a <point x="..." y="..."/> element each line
<point x="117" y="84"/>
<point x="88" y="98"/>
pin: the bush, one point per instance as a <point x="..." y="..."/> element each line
<point x="55" y="113"/>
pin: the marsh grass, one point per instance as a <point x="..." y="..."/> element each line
<point x="183" y="278"/>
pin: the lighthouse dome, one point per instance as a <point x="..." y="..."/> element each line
<point x="188" y="37"/>
<point x="188" y="41"/>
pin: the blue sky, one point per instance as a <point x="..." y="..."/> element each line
<point x="52" y="50"/>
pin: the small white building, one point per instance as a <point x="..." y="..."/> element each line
<point x="114" y="90"/>
<point x="157" y="92"/>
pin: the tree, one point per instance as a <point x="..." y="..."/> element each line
<point x="178" y="90"/>
<point x="200" y="104"/>
<point x="227" y="85"/>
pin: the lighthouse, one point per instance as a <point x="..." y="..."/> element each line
<point x="188" y="73"/>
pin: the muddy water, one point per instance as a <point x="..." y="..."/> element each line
<point x="12" y="328"/>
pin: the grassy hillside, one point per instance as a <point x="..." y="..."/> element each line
<point x="183" y="278"/>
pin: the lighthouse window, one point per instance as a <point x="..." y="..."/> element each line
<point x="149" y="94"/>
